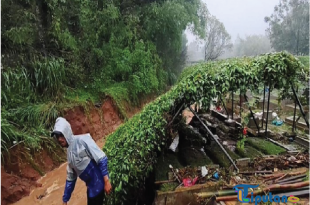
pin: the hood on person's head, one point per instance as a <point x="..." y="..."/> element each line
<point x="62" y="126"/>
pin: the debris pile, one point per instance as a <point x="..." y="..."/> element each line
<point x="189" y="176"/>
<point x="281" y="162"/>
<point x="294" y="182"/>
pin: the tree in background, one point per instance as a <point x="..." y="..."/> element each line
<point x="183" y="54"/>
<point x="251" y="45"/>
<point x="289" y="26"/>
<point x="217" y="39"/>
<point x="165" y="23"/>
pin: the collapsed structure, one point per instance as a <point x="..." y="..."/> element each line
<point x="133" y="148"/>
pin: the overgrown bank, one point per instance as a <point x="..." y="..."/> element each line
<point x="57" y="54"/>
<point x="60" y="55"/>
<point x="22" y="167"/>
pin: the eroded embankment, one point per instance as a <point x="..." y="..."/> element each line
<point x="20" y="172"/>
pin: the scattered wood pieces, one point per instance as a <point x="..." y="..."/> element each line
<point x="280" y="178"/>
<point x="282" y="162"/>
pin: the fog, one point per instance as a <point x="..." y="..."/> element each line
<point x="240" y="18"/>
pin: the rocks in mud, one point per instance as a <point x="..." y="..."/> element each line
<point x="209" y="118"/>
<point x="230" y="122"/>
<point x="191" y="146"/>
<point x="224" y="128"/>
<point x="191" y="136"/>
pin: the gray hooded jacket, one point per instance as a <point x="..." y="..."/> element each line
<point x="82" y="149"/>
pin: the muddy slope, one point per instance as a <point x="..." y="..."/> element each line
<point x="19" y="175"/>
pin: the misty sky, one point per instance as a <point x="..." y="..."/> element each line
<point x="243" y="17"/>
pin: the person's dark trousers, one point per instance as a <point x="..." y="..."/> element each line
<point x="97" y="200"/>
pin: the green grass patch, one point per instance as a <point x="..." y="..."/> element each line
<point x="249" y="152"/>
<point x="219" y="157"/>
<point x="81" y="95"/>
<point x="192" y="156"/>
<point x="118" y="92"/>
<point x="120" y="95"/>
<point x="264" y="146"/>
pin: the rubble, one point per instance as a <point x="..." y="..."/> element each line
<point x="282" y="162"/>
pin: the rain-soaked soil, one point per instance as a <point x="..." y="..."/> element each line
<point x="53" y="187"/>
<point x="19" y="178"/>
<point x="22" y="184"/>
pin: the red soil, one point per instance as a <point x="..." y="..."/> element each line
<point x="18" y="176"/>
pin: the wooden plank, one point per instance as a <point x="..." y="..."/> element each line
<point x="165" y="181"/>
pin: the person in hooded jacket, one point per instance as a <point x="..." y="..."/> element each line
<point x="85" y="160"/>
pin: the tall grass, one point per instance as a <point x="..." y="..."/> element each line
<point x="9" y="134"/>
<point x="43" y="114"/>
<point x="27" y="125"/>
<point x="48" y="76"/>
<point x="26" y="116"/>
<point x="16" y="87"/>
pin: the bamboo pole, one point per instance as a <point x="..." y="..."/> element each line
<point x="289" y="174"/>
<point x="216" y="193"/>
<point x="291" y="181"/>
<point x="257" y="172"/>
<point x="291" y="178"/>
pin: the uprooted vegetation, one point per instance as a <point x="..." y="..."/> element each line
<point x="132" y="149"/>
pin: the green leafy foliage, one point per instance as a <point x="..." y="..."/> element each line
<point x="69" y="51"/>
<point x="304" y="60"/>
<point x="241" y="142"/>
<point x="132" y="148"/>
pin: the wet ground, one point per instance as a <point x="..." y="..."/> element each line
<point x="52" y="189"/>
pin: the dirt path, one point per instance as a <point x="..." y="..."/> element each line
<point x="53" y="187"/>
